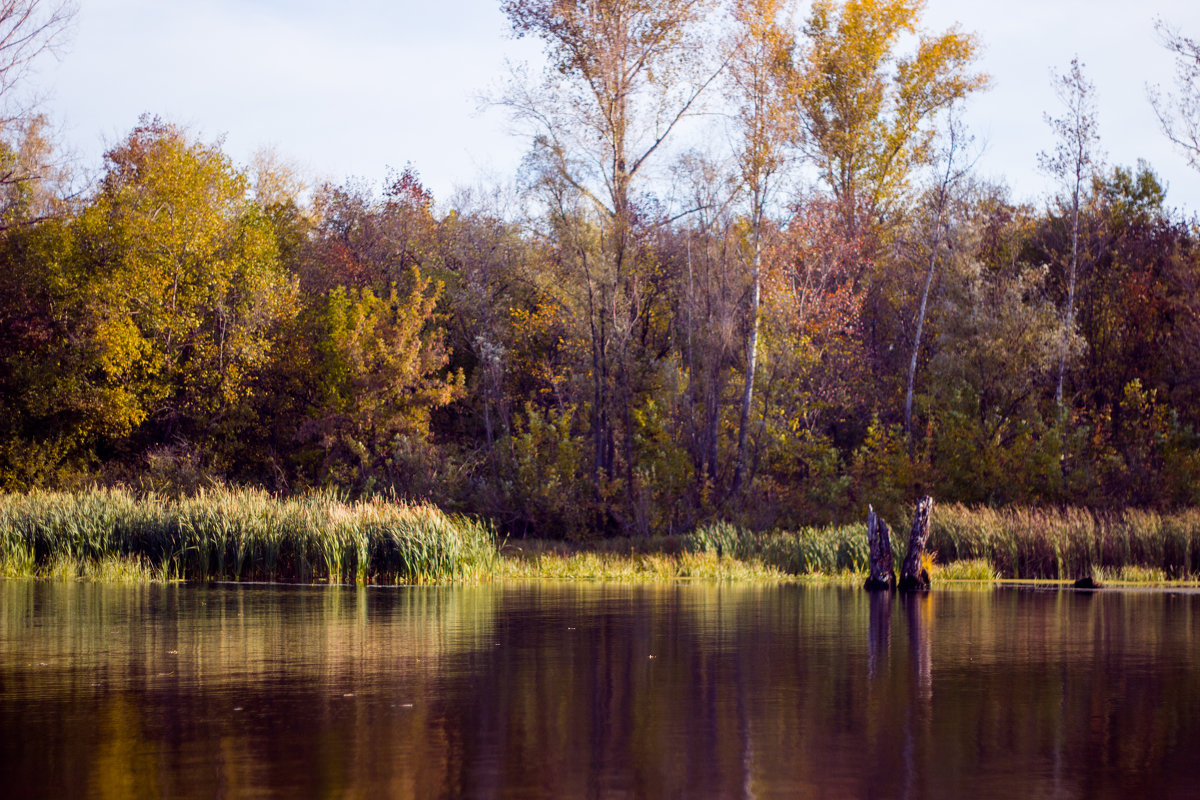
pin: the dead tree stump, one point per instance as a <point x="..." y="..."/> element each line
<point x="913" y="576"/>
<point x="879" y="546"/>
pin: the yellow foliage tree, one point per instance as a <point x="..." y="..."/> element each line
<point x="868" y="114"/>
<point x="380" y="372"/>
<point x="184" y="275"/>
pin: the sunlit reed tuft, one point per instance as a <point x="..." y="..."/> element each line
<point x="236" y="534"/>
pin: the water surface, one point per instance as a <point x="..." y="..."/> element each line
<point x="595" y="691"/>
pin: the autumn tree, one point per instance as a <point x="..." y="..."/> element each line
<point x="812" y="401"/>
<point x="55" y="399"/>
<point x="510" y="334"/>
<point x="949" y="169"/>
<point x="620" y="78"/>
<point x="708" y="310"/>
<point x="869" y="114"/>
<point x="1136" y="312"/>
<point x="184" y="275"/>
<point x="279" y="188"/>
<point x="762" y="80"/>
<point x="362" y="239"/>
<point x="29" y="29"/>
<point x="378" y="371"/>
<point x="150" y="312"/>
<point x="1072" y="163"/>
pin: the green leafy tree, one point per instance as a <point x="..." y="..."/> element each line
<point x="999" y="342"/>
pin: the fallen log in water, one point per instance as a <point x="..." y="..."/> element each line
<point x="913" y="575"/>
<point x="879" y="546"/>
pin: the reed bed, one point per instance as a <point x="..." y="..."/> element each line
<point x="249" y="535"/>
<point x="982" y="544"/>
<point x="975" y="570"/>
<point x="1071" y="543"/>
<point x="239" y="534"/>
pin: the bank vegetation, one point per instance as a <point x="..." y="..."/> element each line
<point x="634" y="340"/>
<point x="248" y="535"/>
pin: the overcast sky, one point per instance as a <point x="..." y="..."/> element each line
<point x="353" y="87"/>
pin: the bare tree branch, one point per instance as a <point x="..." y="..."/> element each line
<point x="1179" y="113"/>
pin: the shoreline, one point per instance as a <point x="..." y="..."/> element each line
<point x="586" y="568"/>
<point x="247" y="535"/>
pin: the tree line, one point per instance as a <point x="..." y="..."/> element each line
<point x="824" y="308"/>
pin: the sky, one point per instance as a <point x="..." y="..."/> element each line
<point x="356" y="88"/>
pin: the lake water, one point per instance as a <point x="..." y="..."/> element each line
<point x="596" y="691"/>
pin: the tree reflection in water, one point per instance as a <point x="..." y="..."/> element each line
<point x="544" y="691"/>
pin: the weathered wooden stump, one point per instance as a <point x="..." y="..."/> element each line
<point x="913" y="576"/>
<point x="879" y="547"/>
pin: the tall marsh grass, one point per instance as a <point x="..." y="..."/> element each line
<point x="985" y="543"/>
<point x="236" y="534"/>
<point x="1071" y="543"/>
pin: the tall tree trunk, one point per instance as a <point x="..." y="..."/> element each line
<point x="1069" y="317"/>
<point x="916" y="350"/>
<point x="751" y="366"/>
<point x="935" y="245"/>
